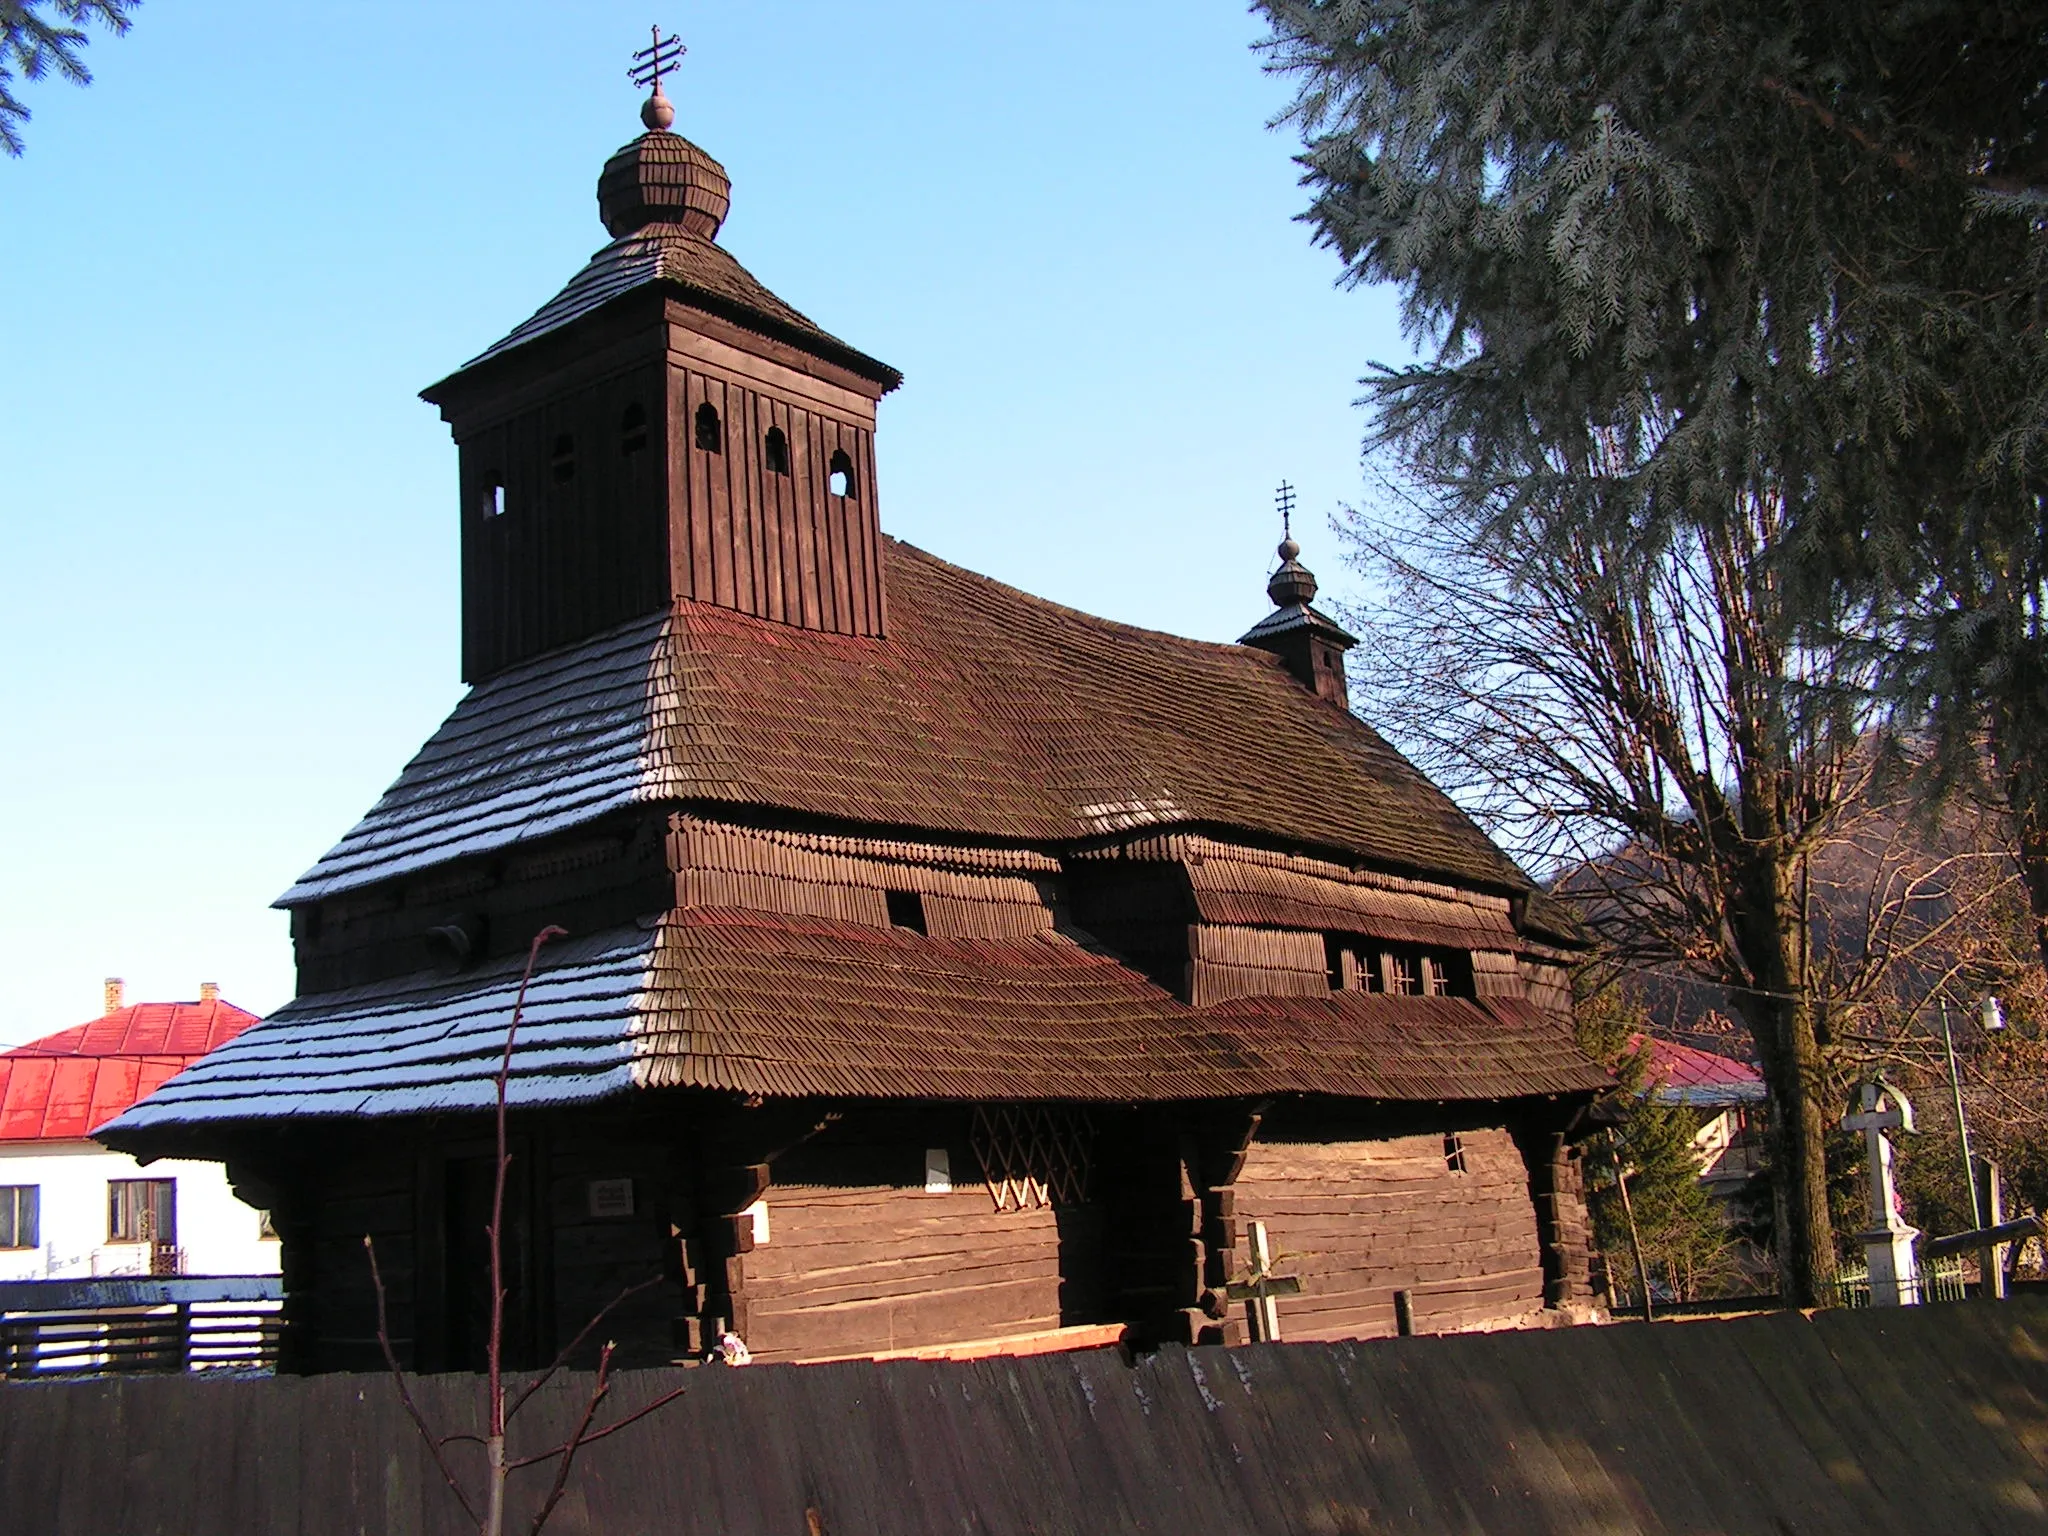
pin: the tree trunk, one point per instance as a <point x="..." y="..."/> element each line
<point x="1765" y="918"/>
<point x="2027" y="793"/>
<point x="2018" y="738"/>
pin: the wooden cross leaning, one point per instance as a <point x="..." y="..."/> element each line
<point x="1263" y="1287"/>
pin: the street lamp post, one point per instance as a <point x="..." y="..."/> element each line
<point x="1991" y="1017"/>
<point x="1955" y="1088"/>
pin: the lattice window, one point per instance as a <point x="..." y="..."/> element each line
<point x="1033" y="1154"/>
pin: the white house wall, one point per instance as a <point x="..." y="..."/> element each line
<point x="217" y="1234"/>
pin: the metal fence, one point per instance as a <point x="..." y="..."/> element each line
<point x="111" y="1325"/>
<point x="1940" y="1280"/>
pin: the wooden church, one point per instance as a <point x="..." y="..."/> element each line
<point x="947" y="969"/>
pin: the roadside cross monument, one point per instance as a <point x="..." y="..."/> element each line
<point x="1888" y="1244"/>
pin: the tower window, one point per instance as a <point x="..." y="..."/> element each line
<point x="710" y="437"/>
<point x="775" y="451"/>
<point x="564" y="459"/>
<point x="841" y="482"/>
<point x="1454" y="1152"/>
<point x="491" y="501"/>
<point x="906" y="910"/>
<point x="1404" y="974"/>
<point x="632" y="430"/>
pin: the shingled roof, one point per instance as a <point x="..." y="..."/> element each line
<point x="752" y="1002"/>
<point x="65" y="1086"/>
<point x="701" y="273"/>
<point x="986" y="713"/>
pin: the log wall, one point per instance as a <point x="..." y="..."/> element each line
<point x="863" y="1269"/>
<point x="1360" y="1220"/>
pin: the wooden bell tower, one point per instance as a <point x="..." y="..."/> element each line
<point x="664" y="429"/>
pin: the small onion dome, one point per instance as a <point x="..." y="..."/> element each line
<point x="662" y="178"/>
<point x="1294" y="583"/>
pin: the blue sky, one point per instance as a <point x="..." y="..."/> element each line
<point x="228" y="597"/>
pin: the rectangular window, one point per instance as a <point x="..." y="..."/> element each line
<point x="906" y="910"/>
<point x="1436" y="978"/>
<point x="1454" y="1152"/>
<point x="1404" y="974"/>
<point x="142" y="1210"/>
<point x="21" y="1222"/>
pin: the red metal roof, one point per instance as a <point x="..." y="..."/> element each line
<point x="1686" y="1075"/>
<point x="65" y="1086"/>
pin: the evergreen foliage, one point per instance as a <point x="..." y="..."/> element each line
<point x="1759" y="286"/>
<point x="37" y="36"/>
<point x="1685" y="1240"/>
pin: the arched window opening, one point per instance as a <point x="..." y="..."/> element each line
<point x="564" y="459"/>
<point x="632" y="430"/>
<point x="490" y="500"/>
<point x="776" y="451"/>
<point x="709" y="435"/>
<point x="841" y="483"/>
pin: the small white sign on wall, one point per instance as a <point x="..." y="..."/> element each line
<point x="938" y="1171"/>
<point x="758" y="1214"/>
<point x="611" y="1198"/>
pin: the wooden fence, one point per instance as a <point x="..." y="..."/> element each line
<point x="1921" y="1420"/>
<point x="119" y="1324"/>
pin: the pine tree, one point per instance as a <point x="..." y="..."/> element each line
<point x="1670" y="1213"/>
<point x="37" y="36"/>
<point x="1690" y="270"/>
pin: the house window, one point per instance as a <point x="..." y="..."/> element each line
<point x="21" y="1216"/>
<point x="142" y="1210"/>
<point x="1454" y="1152"/>
<point x="710" y="436"/>
<point x="906" y="910"/>
<point x="563" y="459"/>
<point x="491" y="501"/>
<point x="841" y="483"/>
<point x="775" y="451"/>
<point x="632" y="430"/>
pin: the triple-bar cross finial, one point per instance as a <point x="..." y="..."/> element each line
<point x="657" y="59"/>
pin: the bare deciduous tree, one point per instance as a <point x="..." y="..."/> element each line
<point x="1626" y="701"/>
<point x="499" y="1464"/>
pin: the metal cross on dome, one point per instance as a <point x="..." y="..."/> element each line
<point x="1284" y="500"/>
<point x="657" y="59"/>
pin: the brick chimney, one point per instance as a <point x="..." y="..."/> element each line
<point x="209" y="991"/>
<point x="116" y="990"/>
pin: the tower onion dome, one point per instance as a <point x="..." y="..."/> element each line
<point x="1294" y="583"/>
<point x="662" y="178"/>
